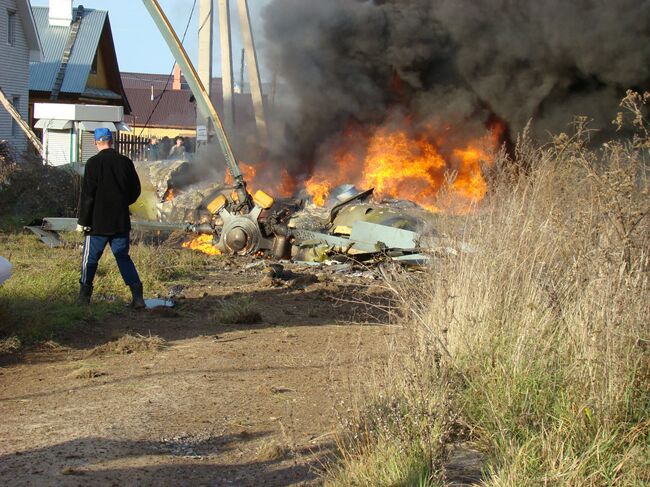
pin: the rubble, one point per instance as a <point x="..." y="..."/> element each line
<point x="359" y="230"/>
<point x="351" y="226"/>
<point x="178" y="196"/>
<point x="172" y="191"/>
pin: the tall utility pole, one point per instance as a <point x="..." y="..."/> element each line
<point x="253" y="70"/>
<point x="206" y="16"/>
<point x="226" y="66"/>
<point x="202" y="99"/>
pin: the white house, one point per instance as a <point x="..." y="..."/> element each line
<point x="19" y="44"/>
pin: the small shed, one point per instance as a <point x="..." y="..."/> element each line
<point x="68" y="130"/>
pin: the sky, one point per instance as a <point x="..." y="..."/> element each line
<point x="140" y="46"/>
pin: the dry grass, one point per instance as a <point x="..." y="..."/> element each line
<point x="238" y="311"/>
<point x="10" y="345"/>
<point x="130" y="344"/>
<point x="535" y="347"/>
<point x="86" y="371"/>
<point x="272" y="451"/>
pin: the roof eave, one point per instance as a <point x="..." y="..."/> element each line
<point x="31" y="32"/>
<point x="127" y="105"/>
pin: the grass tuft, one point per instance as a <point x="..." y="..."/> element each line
<point x="272" y="451"/>
<point x="86" y="371"/>
<point x="130" y="344"/>
<point x="239" y="311"/>
<point x="10" y="345"/>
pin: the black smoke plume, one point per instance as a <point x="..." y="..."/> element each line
<point x="458" y="64"/>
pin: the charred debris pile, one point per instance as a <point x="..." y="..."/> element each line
<point x="351" y="225"/>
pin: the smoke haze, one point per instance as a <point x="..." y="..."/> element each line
<point x="452" y="64"/>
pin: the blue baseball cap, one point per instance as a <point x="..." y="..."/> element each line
<point x="103" y="135"/>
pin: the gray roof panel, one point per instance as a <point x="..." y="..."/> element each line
<point x="43" y="75"/>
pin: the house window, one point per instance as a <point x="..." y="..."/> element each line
<point x="15" y="129"/>
<point x="11" y="31"/>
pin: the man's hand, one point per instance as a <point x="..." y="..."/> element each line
<point x="82" y="229"/>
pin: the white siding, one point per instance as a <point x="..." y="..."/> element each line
<point x="14" y="73"/>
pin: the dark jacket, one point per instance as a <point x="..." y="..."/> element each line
<point x="109" y="186"/>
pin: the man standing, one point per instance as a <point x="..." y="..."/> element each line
<point x="110" y="186"/>
<point x="153" y="150"/>
<point x="178" y="151"/>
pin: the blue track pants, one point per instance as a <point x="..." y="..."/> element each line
<point x="94" y="246"/>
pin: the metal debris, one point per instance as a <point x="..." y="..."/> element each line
<point x="353" y="230"/>
<point x="159" y="303"/>
<point x="49" y="238"/>
<point x="5" y="270"/>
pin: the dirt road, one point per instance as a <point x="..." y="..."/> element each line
<point x="215" y="404"/>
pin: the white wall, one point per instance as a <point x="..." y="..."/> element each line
<point x="14" y="74"/>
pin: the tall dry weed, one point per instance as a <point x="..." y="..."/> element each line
<point x="538" y="341"/>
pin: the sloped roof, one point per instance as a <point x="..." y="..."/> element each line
<point x="160" y="82"/>
<point x="42" y="76"/>
<point x="147" y="80"/>
<point x="176" y="108"/>
<point x="101" y="93"/>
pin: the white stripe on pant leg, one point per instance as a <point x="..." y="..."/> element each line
<point x="84" y="260"/>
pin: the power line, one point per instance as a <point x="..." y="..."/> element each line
<point x="160" y="97"/>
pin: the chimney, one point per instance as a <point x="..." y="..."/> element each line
<point x="176" y="85"/>
<point x="60" y="13"/>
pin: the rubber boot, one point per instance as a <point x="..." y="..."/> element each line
<point x="85" y="292"/>
<point x="138" y="300"/>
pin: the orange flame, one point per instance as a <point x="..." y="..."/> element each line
<point x="414" y="168"/>
<point x="248" y="171"/>
<point x="169" y="195"/>
<point x="405" y="163"/>
<point x="202" y="243"/>
<point x="288" y="184"/>
<point x="319" y="190"/>
<point x="323" y="180"/>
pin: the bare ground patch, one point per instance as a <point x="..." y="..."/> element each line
<point x="189" y="398"/>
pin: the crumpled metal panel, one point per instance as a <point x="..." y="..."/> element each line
<point x="379" y="214"/>
<point x="48" y="237"/>
<point x="389" y="237"/>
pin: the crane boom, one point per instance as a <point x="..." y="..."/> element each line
<point x="199" y="91"/>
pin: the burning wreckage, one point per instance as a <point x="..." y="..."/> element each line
<point x="226" y="219"/>
<point x="229" y="219"/>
